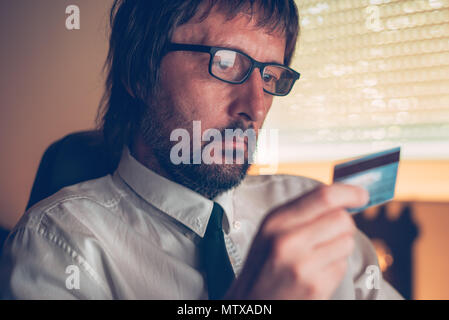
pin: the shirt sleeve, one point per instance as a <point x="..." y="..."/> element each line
<point x="367" y="276"/>
<point x="37" y="264"/>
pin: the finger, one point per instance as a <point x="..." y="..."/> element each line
<point x="315" y="203"/>
<point x="327" y="227"/>
<point x="327" y="253"/>
<point x="316" y="245"/>
<point x="331" y="277"/>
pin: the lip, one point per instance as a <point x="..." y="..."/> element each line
<point x="238" y="144"/>
<point x="235" y="144"/>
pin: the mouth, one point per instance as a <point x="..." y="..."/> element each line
<point x="238" y="144"/>
<point x="234" y="148"/>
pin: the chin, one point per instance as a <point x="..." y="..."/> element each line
<point x="210" y="179"/>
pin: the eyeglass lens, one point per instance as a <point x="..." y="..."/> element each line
<point x="232" y="66"/>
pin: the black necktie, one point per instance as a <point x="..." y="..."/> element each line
<point x="219" y="272"/>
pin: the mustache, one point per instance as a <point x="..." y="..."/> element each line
<point x="238" y="124"/>
<point x="238" y="129"/>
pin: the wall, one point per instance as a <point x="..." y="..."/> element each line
<point x="50" y="85"/>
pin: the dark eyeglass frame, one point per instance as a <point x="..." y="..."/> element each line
<point x="254" y="63"/>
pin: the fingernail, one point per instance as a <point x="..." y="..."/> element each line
<point x="365" y="195"/>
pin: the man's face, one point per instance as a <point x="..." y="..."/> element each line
<point x="189" y="93"/>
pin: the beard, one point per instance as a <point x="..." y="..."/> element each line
<point x="208" y="180"/>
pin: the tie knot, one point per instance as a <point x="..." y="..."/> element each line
<point x="215" y="223"/>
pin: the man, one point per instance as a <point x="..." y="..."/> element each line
<point x="164" y="230"/>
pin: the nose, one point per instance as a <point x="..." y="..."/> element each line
<point x="252" y="103"/>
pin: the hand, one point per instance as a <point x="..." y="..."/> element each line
<point x="301" y="248"/>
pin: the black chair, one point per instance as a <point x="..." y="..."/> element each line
<point x="75" y="158"/>
<point x="3" y="235"/>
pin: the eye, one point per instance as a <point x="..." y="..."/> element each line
<point x="269" y="77"/>
<point x="225" y="59"/>
<point x="224" y="65"/>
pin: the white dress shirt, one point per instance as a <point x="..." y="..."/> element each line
<point x="135" y="234"/>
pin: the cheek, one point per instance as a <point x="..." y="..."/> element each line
<point x="209" y="98"/>
<point x="193" y="92"/>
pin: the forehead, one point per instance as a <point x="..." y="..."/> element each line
<point x="241" y="33"/>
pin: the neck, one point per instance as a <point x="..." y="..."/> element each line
<point x="142" y="153"/>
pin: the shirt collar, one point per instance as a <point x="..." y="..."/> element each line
<point x="181" y="203"/>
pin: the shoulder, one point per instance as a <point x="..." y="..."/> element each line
<point x="255" y="180"/>
<point x="283" y="181"/>
<point x="57" y="232"/>
<point x="71" y="205"/>
<point x="68" y="223"/>
<point x="366" y="273"/>
<point x="275" y="189"/>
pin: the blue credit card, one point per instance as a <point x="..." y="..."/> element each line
<point x="375" y="172"/>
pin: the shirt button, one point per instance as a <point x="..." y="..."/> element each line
<point x="237" y="225"/>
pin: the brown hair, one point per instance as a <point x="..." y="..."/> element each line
<point x="140" y="32"/>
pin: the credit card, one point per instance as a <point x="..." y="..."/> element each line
<point x="375" y="172"/>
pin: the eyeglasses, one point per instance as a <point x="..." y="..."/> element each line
<point x="234" y="66"/>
